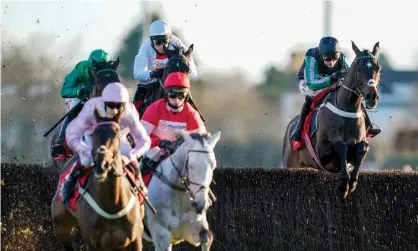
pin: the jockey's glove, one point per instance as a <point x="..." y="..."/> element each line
<point x="157" y="73"/>
<point x="83" y="92"/>
<point x="337" y="76"/>
<point x="164" y="144"/>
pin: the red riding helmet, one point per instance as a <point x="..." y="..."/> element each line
<point x="177" y="79"/>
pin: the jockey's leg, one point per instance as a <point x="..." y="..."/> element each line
<point x="136" y="167"/>
<point x="306" y="107"/>
<point x="69" y="185"/>
<point x="58" y="145"/>
<point x="371" y="130"/>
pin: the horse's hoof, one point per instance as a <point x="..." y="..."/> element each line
<point x="342" y="190"/>
<point x="353" y="186"/>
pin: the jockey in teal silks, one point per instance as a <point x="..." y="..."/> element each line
<point x="323" y="66"/>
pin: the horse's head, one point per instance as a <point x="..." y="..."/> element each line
<point x="366" y="74"/>
<point x="103" y="74"/>
<point x="105" y="144"/>
<point x="197" y="165"/>
<point x="178" y="61"/>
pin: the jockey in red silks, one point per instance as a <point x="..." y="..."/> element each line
<point x="164" y="118"/>
<point x="114" y="100"/>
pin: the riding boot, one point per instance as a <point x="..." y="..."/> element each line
<point x="306" y="107"/>
<point x="58" y="145"/>
<point x="69" y="186"/>
<point x="371" y="130"/>
<point x="136" y="168"/>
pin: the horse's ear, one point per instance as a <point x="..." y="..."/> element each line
<point x="97" y="114"/>
<point x="355" y="48"/>
<point x="92" y="72"/>
<point x="189" y="51"/>
<point x="376" y="49"/>
<point x="117" y="117"/>
<point x="214" y="139"/>
<point x="166" y="50"/>
<point x="187" y="137"/>
<point x="115" y="64"/>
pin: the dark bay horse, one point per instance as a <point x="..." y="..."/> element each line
<point x="340" y="126"/>
<point x="107" y="212"/>
<point x="103" y="73"/>
<point x="148" y="93"/>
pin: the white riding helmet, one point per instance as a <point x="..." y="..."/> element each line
<point x="159" y="28"/>
<point x="115" y="92"/>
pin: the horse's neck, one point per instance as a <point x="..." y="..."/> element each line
<point x="177" y="160"/>
<point x="345" y="99"/>
<point x="111" y="193"/>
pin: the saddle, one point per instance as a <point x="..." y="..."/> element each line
<point x="311" y="122"/>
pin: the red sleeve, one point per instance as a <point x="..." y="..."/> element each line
<point x="151" y="114"/>
<point x="194" y="121"/>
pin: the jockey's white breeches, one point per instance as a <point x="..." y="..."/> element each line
<point x="70" y="103"/>
<point x="306" y="91"/>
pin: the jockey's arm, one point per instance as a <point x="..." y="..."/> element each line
<point x="312" y="76"/>
<point x="346" y="64"/>
<point x="195" y="123"/>
<point x="150" y="121"/>
<point x="138" y="132"/>
<point x="70" y="87"/>
<point x="141" y="71"/>
<point x="301" y="72"/>
<point x="78" y="127"/>
<point x="193" y="68"/>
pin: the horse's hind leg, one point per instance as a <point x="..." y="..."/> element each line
<point x="206" y="239"/>
<point x="341" y="149"/>
<point x="361" y="150"/>
<point x="63" y="223"/>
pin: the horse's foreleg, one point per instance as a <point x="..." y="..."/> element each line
<point x="206" y="239"/>
<point x="62" y="223"/>
<point x="162" y="239"/>
<point x="341" y="149"/>
<point x="361" y="150"/>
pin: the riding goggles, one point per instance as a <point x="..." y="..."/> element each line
<point x="179" y="95"/>
<point x="114" y="105"/>
<point x="160" y="41"/>
<point x="331" y="56"/>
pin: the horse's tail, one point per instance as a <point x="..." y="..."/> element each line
<point x="286" y="146"/>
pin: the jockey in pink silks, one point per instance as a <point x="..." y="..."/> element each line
<point x="114" y="100"/>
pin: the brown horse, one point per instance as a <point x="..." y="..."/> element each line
<point x="107" y="212"/>
<point x="338" y="133"/>
<point x="103" y="73"/>
<point x="149" y="93"/>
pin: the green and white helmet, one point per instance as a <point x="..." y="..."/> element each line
<point x="159" y="29"/>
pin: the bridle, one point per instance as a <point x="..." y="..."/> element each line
<point x="184" y="177"/>
<point x="370" y="83"/>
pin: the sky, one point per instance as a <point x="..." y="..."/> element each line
<point x="228" y="35"/>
